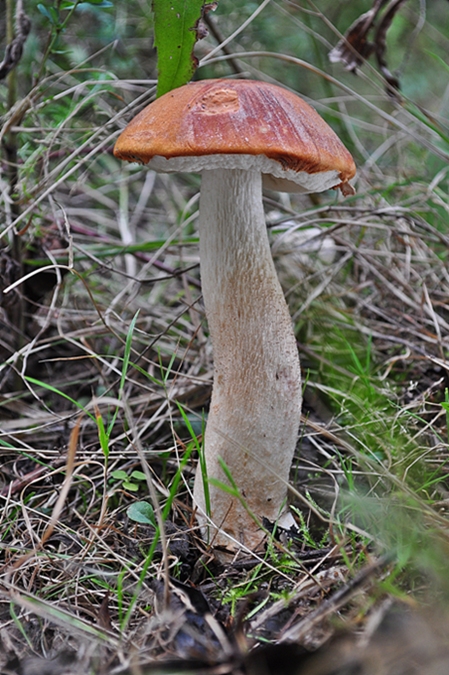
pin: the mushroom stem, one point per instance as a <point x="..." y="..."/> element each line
<point x="256" y="399"/>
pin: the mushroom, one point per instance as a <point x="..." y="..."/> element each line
<point x="236" y="133"/>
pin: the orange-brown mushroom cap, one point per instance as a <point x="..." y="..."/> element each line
<point x="238" y="117"/>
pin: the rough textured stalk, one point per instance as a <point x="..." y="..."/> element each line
<point x="256" y="401"/>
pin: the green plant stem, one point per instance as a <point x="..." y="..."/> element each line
<point x="53" y="37"/>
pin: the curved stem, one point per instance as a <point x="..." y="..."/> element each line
<point x="256" y="401"/>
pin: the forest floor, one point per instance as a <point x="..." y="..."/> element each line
<point x="106" y="371"/>
<point x="115" y="369"/>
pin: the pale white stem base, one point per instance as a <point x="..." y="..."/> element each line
<point x="256" y="400"/>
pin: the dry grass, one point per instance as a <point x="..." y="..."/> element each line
<point x="107" y="363"/>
